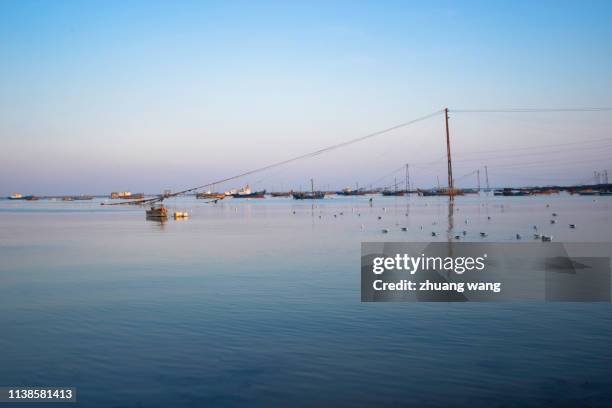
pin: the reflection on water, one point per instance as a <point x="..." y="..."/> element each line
<point x="257" y="303"/>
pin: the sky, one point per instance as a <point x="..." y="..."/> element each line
<point x="101" y="96"/>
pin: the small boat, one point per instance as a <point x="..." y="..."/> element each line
<point x="67" y="198"/>
<point x="312" y="195"/>
<point x="157" y="212"/>
<point x="439" y="192"/>
<point x="247" y="193"/>
<point x="508" y="192"/>
<point x="393" y="193"/>
<point x="350" y="192"/>
<point x="281" y="194"/>
<point x="16" y="196"/>
<point x="210" y="195"/>
<point x="126" y="195"/>
<point x="31" y="198"/>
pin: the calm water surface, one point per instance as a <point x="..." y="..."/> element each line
<point x="250" y="304"/>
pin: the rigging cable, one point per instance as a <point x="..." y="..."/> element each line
<point x="281" y="163"/>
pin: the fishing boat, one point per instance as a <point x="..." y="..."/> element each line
<point x="508" y="192"/>
<point x="393" y="193"/>
<point x="350" y="192"/>
<point x="312" y="195"/>
<point x="157" y="212"/>
<point x="247" y="193"/>
<point x="210" y="195"/>
<point x="126" y="195"/>
<point x="439" y="192"/>
<point x="16" y="196"/>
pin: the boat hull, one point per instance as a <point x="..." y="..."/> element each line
<point x="256" y="194"/>
<point x="317" y="195"/>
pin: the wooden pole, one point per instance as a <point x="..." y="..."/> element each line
<point x="451" y="192"/>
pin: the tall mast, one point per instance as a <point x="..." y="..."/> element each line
<point x="407" y="179"/>
<point x="478" y="177"/>
<point x="451" y="191"/>
<point x="487" y="177"/>
<point x="312" y="185"/>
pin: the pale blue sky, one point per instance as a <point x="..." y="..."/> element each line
<point x="102" y="96"/>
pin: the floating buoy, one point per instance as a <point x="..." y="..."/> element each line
<point x="488" y="217"/>
<point x="554" y="214"/>
<point x="379" y="217"/>
<point x="483" y="234"/>
<point x="457" y="237"/>
<point x="384" y="231"/>
<point x="552" y="221"/>
<point x="572" y="226"/>
<point x="433" y="234"/>
<point x="518" y="236"/>
<point x="464" y="232"/>
<point x="404" y="229"/>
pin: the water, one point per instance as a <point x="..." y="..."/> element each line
<point x="249" y="304"/>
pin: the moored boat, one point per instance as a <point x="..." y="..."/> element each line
<point x="16" y="196"/>
<point x="157" y="212"/>
<point x="440" y="192"/>
<point x="393" y="193"/>
<point x="210" y="195"/>
<point x="350" y="192"/>
<point x="312" y="195"/>
<point x="247" y="193"/>
<point x="306" y="195"/>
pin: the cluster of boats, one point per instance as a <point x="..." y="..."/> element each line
<point x="17" y="196"/>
